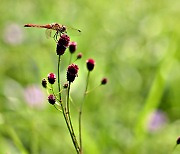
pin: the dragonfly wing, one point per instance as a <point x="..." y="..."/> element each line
<point x="73" y="31"/>
<point x="48" y="33"/>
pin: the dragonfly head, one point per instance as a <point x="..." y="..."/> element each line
<point x="63" y="29"/>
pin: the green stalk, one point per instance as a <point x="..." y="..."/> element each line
<point x="70" y="59"/>
<point x="69" y="115"/>
<point x="80" y="113"/>
<point x="63" y="110"/>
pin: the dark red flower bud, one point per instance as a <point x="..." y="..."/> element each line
<point x="64" y="40"/>
<point x="73" y="69"/>
<point x="72" y="47"/>
<point x="178" y="140"/>
<point x="51" y="78"/>
<point x="51" y="99"/>
<point x="44" y="83"/>
<point x="65" y="86"/>
<point x="90" y="64"/>
<point x="104" y="81"/>
<point x="60" y="49"/>
<point x="72" y="72"/>
<point x="62" y="44"/>
<point x="79" y="56"/>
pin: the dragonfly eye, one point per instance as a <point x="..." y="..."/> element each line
<point x="63" y="29"/>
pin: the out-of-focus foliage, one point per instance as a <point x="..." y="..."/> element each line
<point x="135" y="44"/>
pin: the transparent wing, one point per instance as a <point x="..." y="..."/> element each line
<point x="48" y="33"/>
<point x="73" y="31"/>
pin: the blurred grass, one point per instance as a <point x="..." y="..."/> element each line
<point x="135" y="44"/>
<point x="154" y="98"/>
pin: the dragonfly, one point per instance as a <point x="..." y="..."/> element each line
<point x="57" y="28"/>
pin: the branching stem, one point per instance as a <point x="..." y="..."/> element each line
<point x="63" y="111"/>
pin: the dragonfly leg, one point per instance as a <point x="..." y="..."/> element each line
<point x="56" y="36"/>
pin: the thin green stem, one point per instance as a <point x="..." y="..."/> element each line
<point x="92" y="89"/>
<point x="59" y="85"/>
<point x="57" y="108"/>
<point x="63" y="110"/>
<point x="74" y="105"/>
<point x="69" y="115"/>
<point x="80" y="113"/>
<point x="70" y="59"/>
<point x="68" y="93"/>
<point x="67" y="103"/>
<point x="54" y="93"/>
<point x="75" y="60"/>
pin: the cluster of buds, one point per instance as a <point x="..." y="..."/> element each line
<point x="72" y="70"/>
<point x="64" y="43"/>
<point x="51" y="78"/>
<point x="71" y="74"/>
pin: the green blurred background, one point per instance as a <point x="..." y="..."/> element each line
<point x="135" y="44"/>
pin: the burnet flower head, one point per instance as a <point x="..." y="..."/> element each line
<point x="44" y="83"/>
<point x="72" y="72"/>
<point x="90" y="64"/>
<point x="178" y="140"/>
<point x="62" y="44"/>
<point x="51" y="99"/>
<point x="104" y="81"/>
<point x="72" y="47"/>
<point x="79" y="55"/>
<point x="51" y="78"/>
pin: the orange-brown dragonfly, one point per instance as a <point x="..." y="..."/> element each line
<point x="58" y="28"/>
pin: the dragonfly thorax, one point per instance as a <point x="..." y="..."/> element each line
<point x="58" y="27"/>
<point x="55" y="26"/>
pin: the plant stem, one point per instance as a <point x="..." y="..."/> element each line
<point x="92" y="89"/>
<point x="80" y="113"/>
<point x="68" y="114"/>
<point x="64" y="114"/>
<point x="54" y="93"/>
<point x="70" y="59"/>
<point x="59" y="85"/>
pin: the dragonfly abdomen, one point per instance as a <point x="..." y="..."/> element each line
<point x="48" y="26"/>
